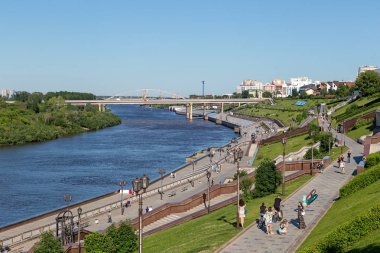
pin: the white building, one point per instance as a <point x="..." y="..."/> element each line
<point x="7" y="93"/>
<point x="254" y="87"/>
<point x="298" y="82"/>
<point x="367" y="68"/>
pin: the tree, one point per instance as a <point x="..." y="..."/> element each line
<point x="326" y="140"/>
<point x="316" y="154"/>
<point x="294" y="93"/>
<point x="267" y="178"/>
<point x="368" y="83"/>
<point x="48" y="244"/>
<point x="245" y="186"/>
<point x="245" y="94"/>
<point x="343" y="91"/>
<point x="267" y="94"/>
<point x="116" y="240"/>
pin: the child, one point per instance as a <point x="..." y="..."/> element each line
<point x="283" y="229"/>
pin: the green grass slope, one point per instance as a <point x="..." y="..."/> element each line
<point x="345" y="210"/>
<point x="209" y="232"/>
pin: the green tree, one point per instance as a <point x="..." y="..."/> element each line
<point x="48" y="244"/>
<point x="267" y="178"/>
<point x="368" y="83"/>
<point x="294" y="93"/>
<point x="245" y="94"/>
<point x="116" y="240"/>
<point x="98" y="243"/>
<point x="316" y="154"/>
<point x="326" y="140"/>
<point x="343" y="91"/>
<point x="245" y="186"/>
<point x="267" y="94"/>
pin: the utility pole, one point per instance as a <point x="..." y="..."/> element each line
<point x="203" y="89"/>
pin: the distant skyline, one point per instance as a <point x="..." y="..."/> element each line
<point x="116" y="47"/>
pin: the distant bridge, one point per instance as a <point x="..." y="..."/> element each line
<point x="188" y="102"/>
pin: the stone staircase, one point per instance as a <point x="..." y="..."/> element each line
<point x="177" y="216"/>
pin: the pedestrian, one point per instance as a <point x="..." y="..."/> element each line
<point x="349" y="156"/>
<point x="212" y="182"/>
<point x="301" y="213"/>
<point x="283" y="229"/>
<point x="342" y="167"/>
<point x="128" y="202"/>
<point x="277" y="207"/>
<point x="268" y="220"/>
<point x="321" y="167"/>
<point x="109" y="217"/>
<point x="241" y="212"/>
<point x="147" y="209"/>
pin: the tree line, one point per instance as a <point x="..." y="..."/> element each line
<point x="34" y="118"/>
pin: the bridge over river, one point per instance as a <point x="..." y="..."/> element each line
<point x="188" y="102"/>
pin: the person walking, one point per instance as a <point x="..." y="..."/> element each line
<point x="341" y="166"/>
<point x="109" y="217"/>
<point x="301" y="213"/>
<point x="277" y="208"/>
<point x="349" y="156"/>
<point x="241" y="212"/>
<point x="268" y="220"/>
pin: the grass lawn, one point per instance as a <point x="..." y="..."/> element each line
<point x="363" y="130"/>
<point x="208" y="233"/>
<point x="368" y="244"/>
<point x="359" y="102"/>
<point x="272" y="150"/>
<point x="345" y="210"/>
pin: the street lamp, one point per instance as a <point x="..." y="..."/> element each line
<point x="122" y="184"/>
<point x="68" y="198"/>
<point x="161" y="172"/>
<point x="283" y="165"/>
<point x="312" y="153"/>
<point x="139" y="186"/>
<point x="238" y="155"/>
<point x="79" y="210"/>
<point x="208" y="175"/>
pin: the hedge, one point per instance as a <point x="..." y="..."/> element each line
<point x="349" y="233"/>
<point x="368" y="177"/>
<point x="372" y="159"/>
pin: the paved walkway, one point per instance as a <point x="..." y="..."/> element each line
<point x="327" y="186"/>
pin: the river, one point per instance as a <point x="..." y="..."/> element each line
<point x="34" y="177"/>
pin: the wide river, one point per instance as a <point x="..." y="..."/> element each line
<point x="34" y="177"/>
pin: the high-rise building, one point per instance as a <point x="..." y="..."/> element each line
<point x="298" y="82"/>
<point x="7" y="93"/>
<point x="254" y="87"/>
<point x="367" y="68"/>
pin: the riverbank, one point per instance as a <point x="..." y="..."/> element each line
<point x="21" y="125"/>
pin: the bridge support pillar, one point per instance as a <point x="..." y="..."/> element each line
<point x="189" y="111"/>
<point x="102" y="107"/>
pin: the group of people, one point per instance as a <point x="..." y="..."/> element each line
<point x="270" y="215"/>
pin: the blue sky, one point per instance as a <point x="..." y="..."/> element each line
<point x="115" y="47"/>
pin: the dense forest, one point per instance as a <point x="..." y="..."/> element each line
<point x="35" y="117"/>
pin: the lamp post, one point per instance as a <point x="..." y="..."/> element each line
<point x="122" y="184"/>
<point x="238" y="155"/>
<point x="79" y="210"/>
<point x="161" y="172"/>
<point x="283" y="165"/>
<point x="208" y="175"/>
<point x="312" y="153"/>
<point x="139" y="186"/>
<point x="342" y="139"/>
<point x="68" y="198"/>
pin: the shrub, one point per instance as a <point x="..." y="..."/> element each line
<point x="48" y="243"/>
<point x="316" y="154"/>
<point x="349" y="233"/>
<point x="361" y="122"/>
<point x="368" y="177"/>
<point x="267" y="178"/>
<point x="373" y="159"/>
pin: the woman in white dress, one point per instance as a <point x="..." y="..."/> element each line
<point x="241" y="212"/>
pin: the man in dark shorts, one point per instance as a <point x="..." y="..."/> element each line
<point x="277" y="203"/>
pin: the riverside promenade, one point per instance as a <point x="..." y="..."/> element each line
<point x="21" y="231"/>
<point x="327" y="186"/>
